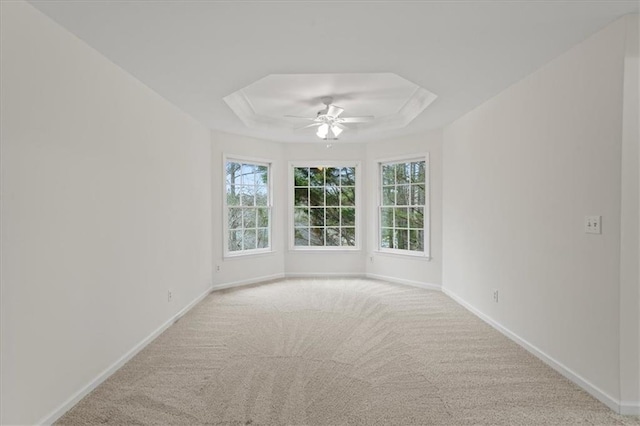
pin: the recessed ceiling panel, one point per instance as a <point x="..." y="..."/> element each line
<point x="266" y="103"/>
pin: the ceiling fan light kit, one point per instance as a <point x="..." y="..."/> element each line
<point x="329" y="121"/>
<point x="328" y="132"/>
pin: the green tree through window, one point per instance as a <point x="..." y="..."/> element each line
<point x="403" y="202"/>
<point x="324" y="210"/>
<point x="248" y="206"/>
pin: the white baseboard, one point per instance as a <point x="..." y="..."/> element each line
<point x="593" y="390"/>
<point x="249" y="281"/>
<point x="74" y="399"/>
<point x="411" y="283"/>
<point x="630" y="408"/>
<point x="324" y="275"/>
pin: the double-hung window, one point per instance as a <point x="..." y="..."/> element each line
<point x="403" y="208"/>
<point x="247" y="206"/>
<point x="324" y="210"/>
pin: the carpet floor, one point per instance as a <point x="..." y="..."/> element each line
<point x="338" y="351"/>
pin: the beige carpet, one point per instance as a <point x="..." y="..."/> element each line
<point x="348" y="351"/>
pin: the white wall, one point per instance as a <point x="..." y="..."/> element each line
<point x="407" y="269"/>
<point x="630" y="229"/>
<point x="246" y="269"/>
<point x="105" y="207"/>
<point x="520" y="173"/>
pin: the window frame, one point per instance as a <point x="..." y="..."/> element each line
<point x="358" y="205"/>
<point x="426" y="254"/>
<point x="227" y="254"/>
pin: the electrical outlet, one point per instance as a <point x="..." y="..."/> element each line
<point x="495" y="295"/>
<point x="169" y="296"/>
<point x="217" y="268"/>
<point x="371" y="259"/>
<point x="592" y="224"/>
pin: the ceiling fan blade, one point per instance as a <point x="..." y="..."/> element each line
<point x="334" y="111"/>
<point x="340" y="126"/>
<point x="309" y="125"/>
<point x="303" y="118"/>
<point x="363" y="119"/>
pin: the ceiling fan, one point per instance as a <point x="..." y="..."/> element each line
<point x="329" y="121"/>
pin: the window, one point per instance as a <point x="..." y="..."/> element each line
<point x="324" y="207"/>
<point x="247" y="207"/>
<point x="403" y="207"/>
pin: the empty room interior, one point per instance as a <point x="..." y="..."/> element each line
<point x="320" y="212"/>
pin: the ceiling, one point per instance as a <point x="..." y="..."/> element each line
<point x="196" y="53"/>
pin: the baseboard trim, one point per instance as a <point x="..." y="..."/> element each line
<point x="73" y="400"/>
<point x="630" y="408"/>
<point x="324" y="274"/>
<point x="590" y="388"/>
<point x="419" y="284"/>
<point x="240" y="283"/>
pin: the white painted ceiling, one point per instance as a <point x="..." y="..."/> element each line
<point x="195" y="53"/>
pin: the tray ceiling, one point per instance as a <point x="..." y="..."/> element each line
<point x="392" y="100"/>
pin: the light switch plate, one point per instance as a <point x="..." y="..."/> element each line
<point x="592" y="224"/>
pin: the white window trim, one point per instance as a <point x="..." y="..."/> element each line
<point x="225" y="210"/>
<point x="358" y="205"/>
<point x="426" y="254"/>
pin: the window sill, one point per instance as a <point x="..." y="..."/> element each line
<point x="244" y="255"/>
<point x="408" y="255"/>
<point x="325" y="249"/>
